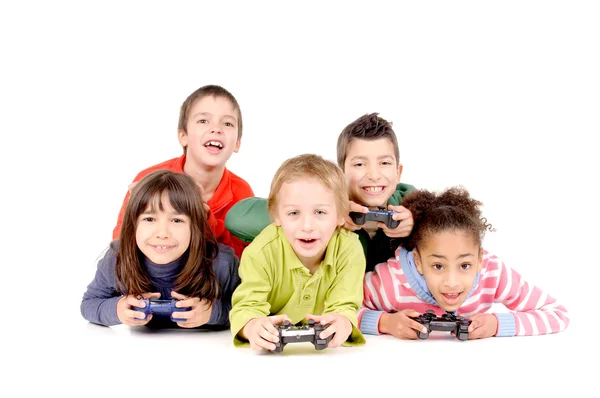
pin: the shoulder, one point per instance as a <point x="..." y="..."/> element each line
<point x="175" y="164"/>
<point x="237" y="182"/>
<point x="490" y="262"/>
<point x="267" y="241"/>
<point x="226" y="254"/>
<point x="346" y="239"/>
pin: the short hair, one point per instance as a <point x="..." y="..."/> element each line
<point x="205" y="91"/>
<point x="367" y="127"/>
<point x="452" y="209"/>
<point x="197" y="278"/>
<point x="310" y="166"/>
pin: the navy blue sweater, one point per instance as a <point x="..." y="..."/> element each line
<point x="99" y="304"/>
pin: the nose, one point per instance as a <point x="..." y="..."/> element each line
<point x="162" y="230"/>
<point x="307" y="223"/>
<point x="451" y="280"/>
<point x="373" y="172"/>
<point x="216" y="128"/>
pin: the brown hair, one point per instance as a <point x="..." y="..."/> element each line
<point x="197" y="278"/>
<point x="313" y="166"/>
<point x="205" y="91"/>
<point x="452" y="209"/>
<point x="367" y="127"/>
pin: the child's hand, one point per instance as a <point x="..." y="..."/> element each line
<point x="198" y="315"/>
<point x="482" y="326"/>
<point x="261" y="332"/>
<point x="406" y="222"/>
<point x="355" y="207"/>
<point x="127" y="315"/>
<point x="338" y="324"/>
<point x="401" y="325"/>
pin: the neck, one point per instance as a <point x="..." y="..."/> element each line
<point x="208" y="177"/>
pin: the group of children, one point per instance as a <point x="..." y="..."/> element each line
<point x="193" y="231"/>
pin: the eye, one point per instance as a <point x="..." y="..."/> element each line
<point x="292" y="213"/>
<point x="178" y="220"/>
<point x="320" y="212"/>
<point x="437" y="267"/>
<point x="386" y="163"/>
<point x="359" y="164"/>
<point x="148" y="219"/>
<point x="465" y="266"/>
<point x="202" y="121"/>
<point x="229" y="124"/>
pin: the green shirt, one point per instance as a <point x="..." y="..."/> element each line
<point x="275" y="282"/>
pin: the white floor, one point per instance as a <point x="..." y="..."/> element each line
<point x="90" y="360"/>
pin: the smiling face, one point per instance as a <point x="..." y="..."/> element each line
<point x="372" y="171"/>
<point x="449" y="261"/>
<point x="306" y="211"/>
<point x="211" y="135"/>
<point x="162" y="235"/>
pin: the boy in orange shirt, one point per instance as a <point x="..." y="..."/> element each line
<point x="210" y="131"/>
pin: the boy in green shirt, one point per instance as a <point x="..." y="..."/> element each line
<point x="368" y="153"/>
<point x="303" y="266"/>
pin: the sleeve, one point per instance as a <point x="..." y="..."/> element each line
<point x="228" y="280"/>
<point x="247" y="218"/>
<point x="99" y="303"/>
<point x="379" y="295"/>
<point x="224" y="236"/>
<point x="533" y="312"/>
<point x="345" y="294"/>
<point x="249" y="300"/>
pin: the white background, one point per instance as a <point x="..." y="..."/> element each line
<point x="500" y="97"/>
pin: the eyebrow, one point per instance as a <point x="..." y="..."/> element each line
<point x="316" y="205"/>
<point x="459" y="256"/>
<point x="210" y="114"/>
<point x="378" y="157"/>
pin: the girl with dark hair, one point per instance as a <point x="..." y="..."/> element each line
<point x="441" y="266"/>
<point x="166" y="250"/>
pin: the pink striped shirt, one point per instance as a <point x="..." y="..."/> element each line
<point x="532" y="312"/>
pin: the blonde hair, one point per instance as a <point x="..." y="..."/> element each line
<point x="311" y="166"/>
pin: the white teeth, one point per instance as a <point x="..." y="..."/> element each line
<point x="373" y="189"/>
<point x="214" y="143"/>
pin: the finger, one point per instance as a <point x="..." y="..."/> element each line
<point x="192" y="302"/>
<point x="329" y="331"/>
<point x="416" y="326"/>
<point x="337" y="340"/>
<point x="178" y="296"/>
<point x="409" y="334"/>
<point x="316" y="318"/>
<point x="264" y="344"/>
<point x="358" y="208"/>
<point x="277" y="319"/>
<point x="135" y="315"/>
<point x="135" y="302"/>
<point x="268" y="335"/>
<point x="411" y="313"/>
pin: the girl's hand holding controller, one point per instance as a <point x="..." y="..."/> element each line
<point x="127" y="315"/>
<point x="198" y="315"/>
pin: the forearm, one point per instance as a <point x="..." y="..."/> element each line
<point x="101" y="311"/>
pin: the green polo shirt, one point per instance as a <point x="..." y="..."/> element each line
<point x="275" y="282"/>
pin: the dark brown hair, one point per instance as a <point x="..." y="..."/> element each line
<point x="197" y="278"/>
<point x="452" y="209"/>
<point x="367" y="127"/>
<point x="205" y="91"/>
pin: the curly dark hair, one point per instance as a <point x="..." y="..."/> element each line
<point x="451" y="209"/>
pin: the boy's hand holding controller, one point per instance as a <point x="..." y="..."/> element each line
<point x="338" y="324"/>
<point x="199" y="313"/>
<point x="401" y="324"/>
<point x="261" y="332"/>
<point x="406" y="222"/>
<point x="402" y="214"/>
<point x="127" y="315"/>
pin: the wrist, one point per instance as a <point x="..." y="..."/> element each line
<point x="382" y="325"/>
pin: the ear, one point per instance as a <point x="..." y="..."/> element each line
<point x="399" y="172"/>
<point x="480" y="260"/>
<point x="183" y="138"/>
<point x="237" y="145"/>
<point x="418" y="261"/>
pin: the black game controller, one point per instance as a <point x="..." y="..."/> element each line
<point x="381" y="215"/>
<point x="289" y="333"/>
<point x="444" y="323"/>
